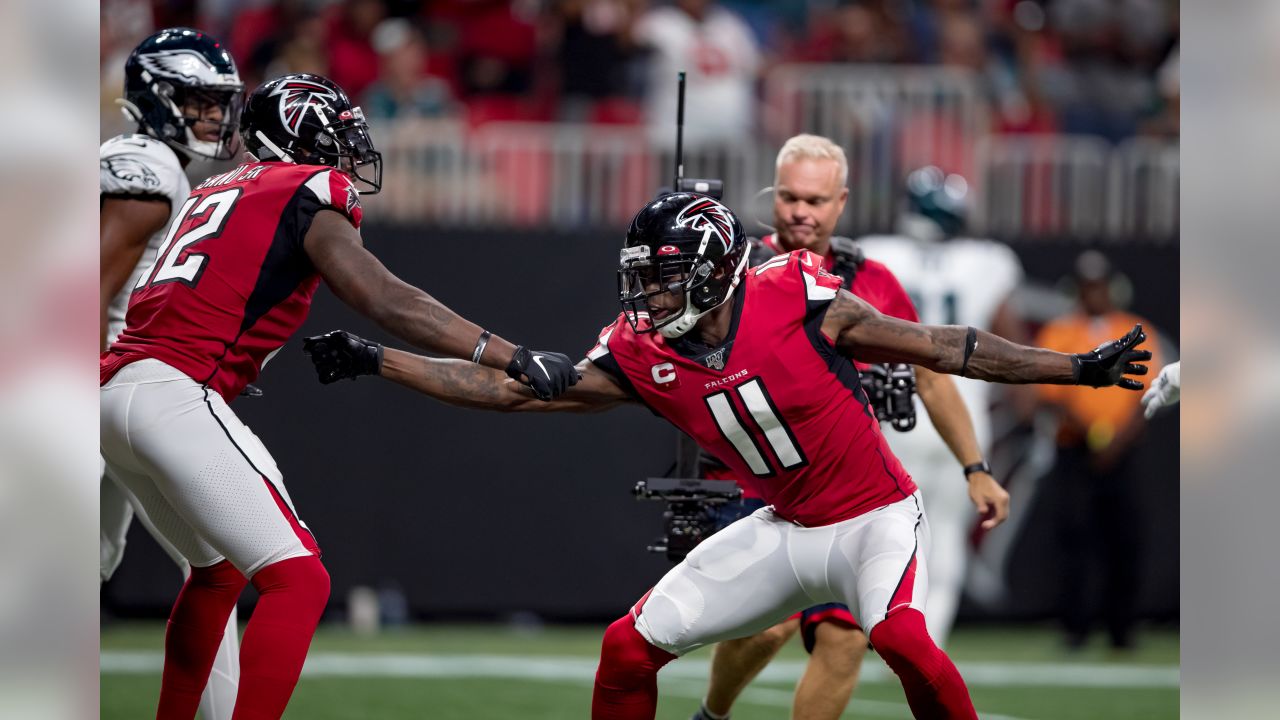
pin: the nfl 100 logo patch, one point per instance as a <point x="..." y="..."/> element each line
<point x="715" y="360"/>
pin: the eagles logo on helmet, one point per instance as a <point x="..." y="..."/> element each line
<point x="184" y="63"/>
<point x="669" y="249"/>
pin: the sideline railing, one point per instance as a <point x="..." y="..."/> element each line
<point x="889" y="120"/>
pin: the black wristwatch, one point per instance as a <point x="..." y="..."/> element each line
<point x="978" y="467"/>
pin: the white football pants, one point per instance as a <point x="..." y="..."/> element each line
<point x="761" y="569"/>
<point x="201" y="477"/>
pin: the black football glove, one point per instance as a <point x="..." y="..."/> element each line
<point x="1110" y="363"/>
<point x="339" y="354"/>
<point x="548" y="373"/>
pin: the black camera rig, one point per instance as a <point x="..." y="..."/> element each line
<point x="690" y="516"/>
<point x="890" y="388"/>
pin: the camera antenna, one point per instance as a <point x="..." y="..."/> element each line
<point x="679" y="133"/>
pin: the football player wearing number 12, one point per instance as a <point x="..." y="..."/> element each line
<point x="183" y="92"/>
<point x="787" y="413"/>
<point x="232" y="281"/>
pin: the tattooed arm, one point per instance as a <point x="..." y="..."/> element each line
<point x="466" y="384"/>
<point x="859" y="330"/>
<point x="364" y="283"/>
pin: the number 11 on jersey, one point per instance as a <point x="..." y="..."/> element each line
<point x="768" y="421"/>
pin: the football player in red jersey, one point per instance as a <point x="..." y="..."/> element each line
<point x="783" y="406"/>
<point x="232" y="281"/>
<point x="182" y="89"/>
<point x="809" y="196"/>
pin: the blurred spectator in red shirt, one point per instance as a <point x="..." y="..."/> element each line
<point x="353" y="63"/>
<point x="494" y="43"/>
<point x="851" y="33"/>
<point x="258" y="31"/>
<point x="963" y="43"/>
<point x="403" y="88"/>
<point x="303" y="47"/>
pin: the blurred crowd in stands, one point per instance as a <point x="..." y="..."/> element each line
<point x="1099" y="67"/>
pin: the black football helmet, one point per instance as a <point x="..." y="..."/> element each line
<point x="681" y="243"/>
<point x="307" y="119"/>
<point x="178" y="70"/>
<point x="937" y="204"/>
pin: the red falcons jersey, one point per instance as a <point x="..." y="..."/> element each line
<point x="874" y="282"/>
<point x="232" y="282"/>
<point x="776" y="402"/>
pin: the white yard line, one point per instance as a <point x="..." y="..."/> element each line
<point x="686" y="678"/>
<point x="543" y="667"/>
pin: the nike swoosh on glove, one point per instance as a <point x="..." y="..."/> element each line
<point x="548" y="374"/>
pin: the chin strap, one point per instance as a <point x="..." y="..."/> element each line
<point x="266" y="142"/>
<point x="683" y="324"/>
<point x="679" y="328"/>
<point x="689" y="318"/>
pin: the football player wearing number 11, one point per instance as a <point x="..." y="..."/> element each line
<point x="787" y="414"/>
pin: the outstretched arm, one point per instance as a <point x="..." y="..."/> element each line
<point x="861" y="331"/>
<point x="338" y="355"/>
<point x="467" y="384"/>
<point x="409" y="313"/>
<point x="360" y="280"/>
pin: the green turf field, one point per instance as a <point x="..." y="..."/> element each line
<point x="464" y="672"/>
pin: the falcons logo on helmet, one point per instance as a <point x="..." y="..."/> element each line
<point x="298" y="97"/>
<point x="708" y="215"/>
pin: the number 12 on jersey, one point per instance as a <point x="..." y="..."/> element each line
<point x="768" y="421"/>
<point x="211" y="213"/>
